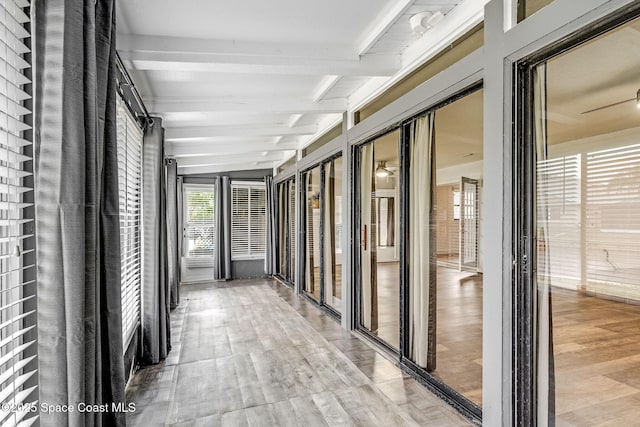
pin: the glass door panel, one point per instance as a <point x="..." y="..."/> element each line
<point x="332" y="244"/>
<point x="379" y="265"/>
<point x="312" y="199"/>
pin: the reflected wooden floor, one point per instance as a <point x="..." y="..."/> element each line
<point x="251" y="353"/>
<point x="597" y="359"/>
<point x="459" y="325"/>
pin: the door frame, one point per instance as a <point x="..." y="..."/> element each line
<point x="524" y="402"/>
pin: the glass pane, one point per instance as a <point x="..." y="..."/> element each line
<point x="333" y="233"/>
<point x="587" y="282"/>
<point x="379" y="265"/>
<point x="445" y="293"/>
<point x="312" y="233"/>
<point x="200" y="223"/>
<point x="286" y="230"/>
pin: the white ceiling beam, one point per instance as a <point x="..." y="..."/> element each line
<point x="327" y="83"/>
<point x="193" y="170"/>
<point x="386" y="19"/>
<point x="177" y="133"/>
<point x="223" y="159"/>
<point x="181" y="149"/>
<point x="378" y="65"/>
<point x="128" y="43"/>
<point x="273" y="104"/>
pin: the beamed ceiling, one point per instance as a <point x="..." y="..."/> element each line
<point x="243" y="85"/>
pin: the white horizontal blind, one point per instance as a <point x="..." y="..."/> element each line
<point x="18" y="372"/>
<point x="559" y="190"/>
<point x="248" y="220"/>
<point x="200" y="230"/>
<point x="130" y="182"/>
<point x="613" y="222"/>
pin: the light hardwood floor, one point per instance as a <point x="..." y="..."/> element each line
<point x="458" y="326"/>
<point x="251" y="353"/>
<point x="597" y="359"/>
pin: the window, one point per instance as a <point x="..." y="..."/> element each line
<point x="18" y="365"/>
<point x="248" y="220"/>
<point x="130" y="183"/>
<point x="200" y="233"/>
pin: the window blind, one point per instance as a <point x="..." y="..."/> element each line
<point x="613" y="222"/>
<point x="199" y="225"/>
<point x="559" y="192"/>
<point x="130" y="182"/>
<point x="18" y="367"/>
<point x="248" y="220"/>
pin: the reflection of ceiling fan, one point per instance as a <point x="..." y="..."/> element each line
<point x="384" y="171"/>
<point x="637" y="99"/>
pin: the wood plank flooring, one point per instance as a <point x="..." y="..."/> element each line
<point x="597" y="358"/>
<point x="459" y="325"/>
<point x="251" y="353"/>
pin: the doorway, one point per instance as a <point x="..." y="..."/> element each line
<point x="579" y="173"/>
<point x="322" y="219"/>
<point x="378" y="258"/>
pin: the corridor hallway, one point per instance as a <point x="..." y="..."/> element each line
<point x="251" y="353"/>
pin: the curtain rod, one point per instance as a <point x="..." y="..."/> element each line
<point x="134" y="90"/>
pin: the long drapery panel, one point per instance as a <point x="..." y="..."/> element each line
<point x="421" y="239"/>
<point x="156" y="340"/>
<point x="222" y="251"/>
<point x="545" y="376"/>
<point x="77" y="211"/>
<point x="270" y="255"/>
<point x="368" y="249"/>
<point x="282" y="230"/>
<point x="181" y="201"/>
<point x="329" y="245"/>
<point x="172" y="233"/>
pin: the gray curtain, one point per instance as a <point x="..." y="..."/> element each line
<point x="156" y="341"/>
<point x="172" y="232"/>
<point x="222" y="253"/>
<point x="180" y="194"/>
<point x="270" y="258"/>
<point x="391" y="221"/>
<point x="282" y="229"/>
<point x="77" y="211"/>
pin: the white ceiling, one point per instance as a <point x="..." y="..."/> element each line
<point x="243" y="85"/>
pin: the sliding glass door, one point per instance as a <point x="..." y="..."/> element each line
<point x="322" y="219"/>
<point x="378" y="261"/>
<point x="419" y="262"/>
<point x="332" y="232"/>
<point x="312" y="215"/>
<point x="579" y="290"/>
<point x="444" y="260"/>
<point x="286" y="230"/>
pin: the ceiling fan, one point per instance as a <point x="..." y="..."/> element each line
<point x="384" y="171"/>
<point x="637" y="99"/>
